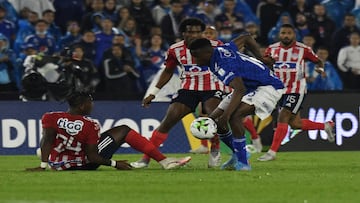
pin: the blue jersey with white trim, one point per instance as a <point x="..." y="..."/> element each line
<point x="227" y="63"/>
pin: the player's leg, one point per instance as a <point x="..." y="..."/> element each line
<point x="306" y="124"/>
<point x="239" y="140"/>
<point x="255" y="138"/>
<point x="210" y="105"/>
<point x="182" y="105"/>
<point x="112" y="139"/>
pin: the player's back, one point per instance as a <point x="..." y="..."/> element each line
<point x="228" y="63"/>
<point x="73" y="132"/>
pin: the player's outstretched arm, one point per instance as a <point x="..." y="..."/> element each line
<point x="46" y="143"/>
<point x="247" y="41"/>
<point x="165" y="76"/>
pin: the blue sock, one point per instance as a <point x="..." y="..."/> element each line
<point x="240" y="151"/>
<point x="227" y="138"/>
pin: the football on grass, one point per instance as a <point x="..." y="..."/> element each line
<point x="203" y="128"/>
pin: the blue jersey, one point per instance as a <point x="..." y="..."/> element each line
<point x="227" y="63"/>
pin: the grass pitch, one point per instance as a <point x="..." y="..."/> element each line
<point x="304" y="177"/>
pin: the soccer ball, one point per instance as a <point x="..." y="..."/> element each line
<point x="203" y="128"/>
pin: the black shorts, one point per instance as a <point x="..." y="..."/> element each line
<point x="293" y="102"/>
<point x="191" y="98"/>
<point x="106" y="148"/>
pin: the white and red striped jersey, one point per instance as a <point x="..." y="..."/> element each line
<point x="290" y="64"/>
<point x="73" y="132"/>
<point x="192" y="76"/>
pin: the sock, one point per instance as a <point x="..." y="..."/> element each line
<point x="156" y="139"/>
<point x="140" y="143"/>
<point x="311" y="125"/>
<point x="215" y="142"/>
<point x="227" y="138"/>
<point x="249" y="125"/>
<point x="204" y="143"/>
<point x="240" y="151"/>
<point x="279" y="135"/>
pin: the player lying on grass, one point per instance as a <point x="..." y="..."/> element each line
<point x="255" y="91"/>
<point x="71" y="141"/>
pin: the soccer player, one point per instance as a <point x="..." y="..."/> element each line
<point x="198" y="84"/>
<point x="256" y="90"/>
<point x="71" y="141"/>
<point x="290" y="56"/>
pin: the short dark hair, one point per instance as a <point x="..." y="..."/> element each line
<point x="191" y="22"/>
<point x="78" y="98"/>
<point x="199" y="44"/>
<point x="286" y="25"/>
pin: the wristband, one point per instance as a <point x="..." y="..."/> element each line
<point x="113" y="163"/>
<point x="154" y="90"/>
<point x="43" y="164"/>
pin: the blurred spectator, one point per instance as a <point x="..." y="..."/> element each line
<point x="43" y="41"/>
<point x="152" y="58"/>
<point x="341" y="37"/>
<point x="230" y="15"/>
<point x="11" y="13"/>
<point x="226" y="32"/>
<point x="88" y="42"/>
<point x="336" y="10"/>
<point x="104" y="39"/>
<point x="37" y="6"/>
<point x="248" y="14"/>
<point x="7" y="27"/>
<point x="123" y="16"/>
<point x="269" y="13"/>
<point x="206" y="11"/>
<point x="210" y="32"/>
<point x="301" y="25"/>
<point x="26" y="27"/>
<point x="68" y="11"/>
<point x="110" y="10"/>
<point x="9" y="72"/>
<point x="97" y="7"/>
<point x="87" y="76"/>
<point x="49" y="16"/>
<point x="120" y="75"/>
<point x="171" y="21"/>
<point x="129" y="31"/>
<point x="299" y="7"/>
<point x="160" y="10"/>
<point x="321" y="26"/>
<point x="349" y="62"/>
<point x="72" y="35"/>
<point x="328" y="80"/>
<point x="309" y="40"/>
<point x="142" y="16"/>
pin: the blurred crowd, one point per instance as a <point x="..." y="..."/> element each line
<point x="115" y="47"/>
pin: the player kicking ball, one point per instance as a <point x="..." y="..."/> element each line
<point x="255" y="91"/>
<point x="71" y="141"/>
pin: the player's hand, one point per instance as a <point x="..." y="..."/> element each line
<point x="123" y="165"/>
<point x="321" y="71"/>
<point x="146" y="102"/>
<point x="35" y="169"/>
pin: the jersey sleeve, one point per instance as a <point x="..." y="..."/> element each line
<point x="171" y="61"/>
<point x="93" y="132"/>
<point x="48" y="120"/>
<point x="310" y="55"/>
<point x="267" y="52"/>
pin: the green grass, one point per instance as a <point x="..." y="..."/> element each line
<point x="304" y="177"/>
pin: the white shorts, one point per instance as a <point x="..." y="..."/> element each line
<point x="264" y="99"/>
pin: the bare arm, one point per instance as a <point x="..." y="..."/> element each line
<point x="239" y="91"/>
<point x="245" y="40"/>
